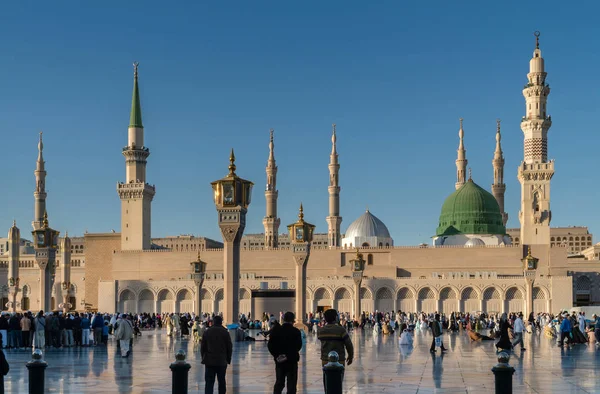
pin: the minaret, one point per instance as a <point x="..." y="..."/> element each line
<point x="271" y="221"/>
<point x="136" y="195"/>
<point x="461" y="160"/>
<point x="65" y="271"/>
<point x="536" y="171"/>
<point x="14" y="243"/>
<point x="334" y="220"/>
<point x="40" y="188"/>
<point x="498" y="187"/>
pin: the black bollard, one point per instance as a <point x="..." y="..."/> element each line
<point x="333" y="374"/>
<point x="37" y="372"/>
<point x="180" y="370"/>
<point x="503" y="374"/>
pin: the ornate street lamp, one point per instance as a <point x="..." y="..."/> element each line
<point x="529" y="273"/>
<point x="301" y="234"/>
<point x="197" y="275"/>
<point x="45" y="243"/>
<point x="232" y="196"/>
<point x="358" y="267"/>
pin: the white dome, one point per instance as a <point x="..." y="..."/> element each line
<point x="475" y="242"/>
<point x="367" y="225"/>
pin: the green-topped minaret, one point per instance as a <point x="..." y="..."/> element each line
<point x="135" y="193"/>
<point x="135" y="120"/>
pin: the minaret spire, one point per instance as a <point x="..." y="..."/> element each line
<point x="14" y="244"/>
<point x="461" y="160"/>
<point x="136" y="195"/>
<point x="535" y="171"/>
<point x="334" y="220"/>
<point x="498" y="187"/>
<point x="40" y="187"/>
<point x="271" y="221"/>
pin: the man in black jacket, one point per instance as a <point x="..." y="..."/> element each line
<point x="216" y="349"/>
<point x="285" y="343"/>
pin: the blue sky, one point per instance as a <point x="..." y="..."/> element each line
<point x="394" y="76"/>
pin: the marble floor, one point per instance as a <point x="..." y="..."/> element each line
<point x="380" y="366"/>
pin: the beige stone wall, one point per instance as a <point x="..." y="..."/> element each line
<point x="99" y="249"/>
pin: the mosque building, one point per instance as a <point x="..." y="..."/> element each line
<point x="473" y="264"/>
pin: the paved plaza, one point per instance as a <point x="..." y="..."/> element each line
<point x="381" y="366"/>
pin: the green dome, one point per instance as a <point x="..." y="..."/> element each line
<point x="470" y="210"/>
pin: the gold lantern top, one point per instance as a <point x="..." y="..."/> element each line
<point x="45" y="237"/>
<point x="232" y="191"/>
<point x="529" y="260"/>
<point x="301" y="231"/>
<point x="358" y="263"/>
<point x="198" y="268"/>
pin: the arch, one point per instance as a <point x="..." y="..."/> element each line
<point x="539" y="293"/>
<point x="343" y="294"/>
<point x="220" y="295"/>
<point x="184" y="295"/>
<point x="322" y="294"/>
<point x="205" y="294"/>
<point x="469" y="293"/>
<point x="426" y="294"/>
<point x="366" y="293"/>
<point x="146" y="294"/>
<point x="26" y="291"/>
<point x="514" y="293"/>
<point x="384" y="293"/>
<point x="165" y="294"/>
<point x="491" y="293"/>
<point x="405" y="292"/>
<point x="244" y="294"/>
<point x="73" y="288"/>
<point x="583" y="283"/>
<point x="448" y="293"/>
<point x="127" y="301"/>
<point x="365" y="245"/>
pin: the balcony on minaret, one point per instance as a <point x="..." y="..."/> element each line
<point x="135" y="190"/>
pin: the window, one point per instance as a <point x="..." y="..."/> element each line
<point x="370" y="259"/>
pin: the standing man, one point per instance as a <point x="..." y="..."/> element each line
<point x="565" y="330"/>
<point x="215" y="349"/>
<point x="596" y="320"/>
<point x="436" y="330"/>
<point x="285" y="343"/>
<point x="518" y="328"/>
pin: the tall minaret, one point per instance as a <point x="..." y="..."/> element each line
<point x="65" y="271"/>
<point x="136" y="195"/>
<point x="334" y="220"/>
<point x="498" y="188"/>
<point x="40" y="188"/>
<point x="14" y="243"/>
<point x="536" y="171"/>
<point x="271" y="221"/>
<point x="461" y="160"/>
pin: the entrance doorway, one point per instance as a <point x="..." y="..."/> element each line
<point x="323" y="308"/>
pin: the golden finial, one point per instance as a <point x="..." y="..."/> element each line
<point x="14" y="223"/>
<point x="135" y="69"/>
<point x="461" y="122"/>
<point x="301" y="213"/>
<point x="537" y="39"/>
<point x="529" y="251"/>
<point x="470" y="175"/>
<point x="45" y="222"/>
<point x="199" y="256"/>
<point x="358" y="254"/>
<point x="271" y="131"/>
<point x="498" y="125"/>
<point x="232" y="163"/>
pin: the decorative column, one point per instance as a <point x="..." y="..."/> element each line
<point x="529" y="274"/>
<point x="14" y="242"/>
<point x="65" y="273"/>
<point x="199" y="268"/>
<point x="358" y="268"/>
<point x="301" y="234"/>
<point x="232" y="197"/>
<point x="45" y="243"/>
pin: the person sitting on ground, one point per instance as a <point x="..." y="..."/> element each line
<point x="475" y="336"/>
<point x="405" y="338"/>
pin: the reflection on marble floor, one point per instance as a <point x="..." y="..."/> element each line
<point x="380" y="367"/>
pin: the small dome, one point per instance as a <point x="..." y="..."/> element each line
<point x="367" y="225"/>
<point x="470" y="210"/>
<point x="474" y="242"/>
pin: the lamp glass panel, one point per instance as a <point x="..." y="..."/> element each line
<point x="228" y="193"/>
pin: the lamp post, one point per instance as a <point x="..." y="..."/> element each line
<point x="301" y="234"/>
<point x="65" y="305"/>
<point x="529" y="273"/>
<point x="45" y="244"/>
<point x="358" y="268"/>
<point x="232" y="197"/>
<point x="197" y="275"/>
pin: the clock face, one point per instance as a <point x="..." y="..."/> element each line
<point x="228" y="194"/>
<point x="530" y="265"/>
